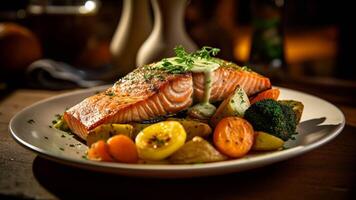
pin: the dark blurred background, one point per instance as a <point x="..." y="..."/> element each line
<point x="318" y="36"/>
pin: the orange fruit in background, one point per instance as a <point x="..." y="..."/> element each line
<point x="19" y="47"/>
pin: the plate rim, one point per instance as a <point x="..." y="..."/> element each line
<point x="268" y="158"/>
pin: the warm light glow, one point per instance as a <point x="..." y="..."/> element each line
<point x="242" y="45"/>
<point x="242" y="49"/>
<point x="299" y="47"/>
<point x="90" y="5"/>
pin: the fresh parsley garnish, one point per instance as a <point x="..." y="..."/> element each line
<point x="185" y="60"/>
<point x="184" y="57"/>
<point x="31" y="121"/>
<point x="206" y="52"/>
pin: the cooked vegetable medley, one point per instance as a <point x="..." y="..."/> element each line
<point x="238" y="129"/>
<point x="237" y="124"/>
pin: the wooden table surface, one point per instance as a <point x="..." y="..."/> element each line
<point x="328" y="172"/>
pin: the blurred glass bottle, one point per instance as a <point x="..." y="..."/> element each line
<point x="267" y="50"/>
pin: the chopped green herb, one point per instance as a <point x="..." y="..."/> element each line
<point x="110" y="93"/>
<point x="185" y="60"/>
<point x="50" y="126"/>
<point x="71" y="145"/>
<point x="246" y="68"/>
<point x="60" y="148"/>
<point x="160" y="77"/>
<point x="183" y="56"/>
<point x="46" y="137"/>
<point x="148" y="77"/>
<point x="284" y="147"/>
<point x="60" y="124"/>
<point x="58" y="116"/>
<point x="206" y="52"/>
<point x="31" y="121"/>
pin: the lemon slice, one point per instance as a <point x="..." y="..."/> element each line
<point x="160" y="140"/>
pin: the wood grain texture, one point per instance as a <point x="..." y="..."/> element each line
<point x="328" y="172"/>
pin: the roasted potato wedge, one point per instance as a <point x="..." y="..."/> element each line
<point x="266" y="142"/>
<point x="196" y="150"/>
<point x="235" y="105"/>
<point x="105" y="131"/>
<point x="193" y="128"/>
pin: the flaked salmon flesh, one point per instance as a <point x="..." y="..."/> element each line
<point x="146" y="94"/>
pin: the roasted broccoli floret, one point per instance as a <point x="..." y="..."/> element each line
<point x="296" y="106"/>
<point x="272" y="117"/>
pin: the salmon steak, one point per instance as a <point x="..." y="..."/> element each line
<point x="147" y="93"/>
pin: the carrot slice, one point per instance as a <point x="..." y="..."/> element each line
<point x="268" y="94"/>
<point x="99" y="151"/>
<point x="123" y="149"/>
<point x="233" y="136"/>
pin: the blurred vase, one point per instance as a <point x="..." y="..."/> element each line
<point x="134" y="27"/>
<point x="168" y="32"/>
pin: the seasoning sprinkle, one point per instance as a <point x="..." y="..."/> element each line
<point x="110" y="93"/>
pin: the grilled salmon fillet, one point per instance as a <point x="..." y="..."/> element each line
<point x="145" y="94"/>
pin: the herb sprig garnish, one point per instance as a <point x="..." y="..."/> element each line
<point x="206" y="52"/>
<point x="183" y="57"/>
<point x="171" y="68"/>
<point x="185" y="60"/>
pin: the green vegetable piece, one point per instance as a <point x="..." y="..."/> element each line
<point x="61" y="125"/>
<point x="297" y="107"/>
<point x="272" y="117"/>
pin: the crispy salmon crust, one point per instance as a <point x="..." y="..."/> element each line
<point x="145" y="94"/>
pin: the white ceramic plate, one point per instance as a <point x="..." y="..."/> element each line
<point x="321" y="122"/>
